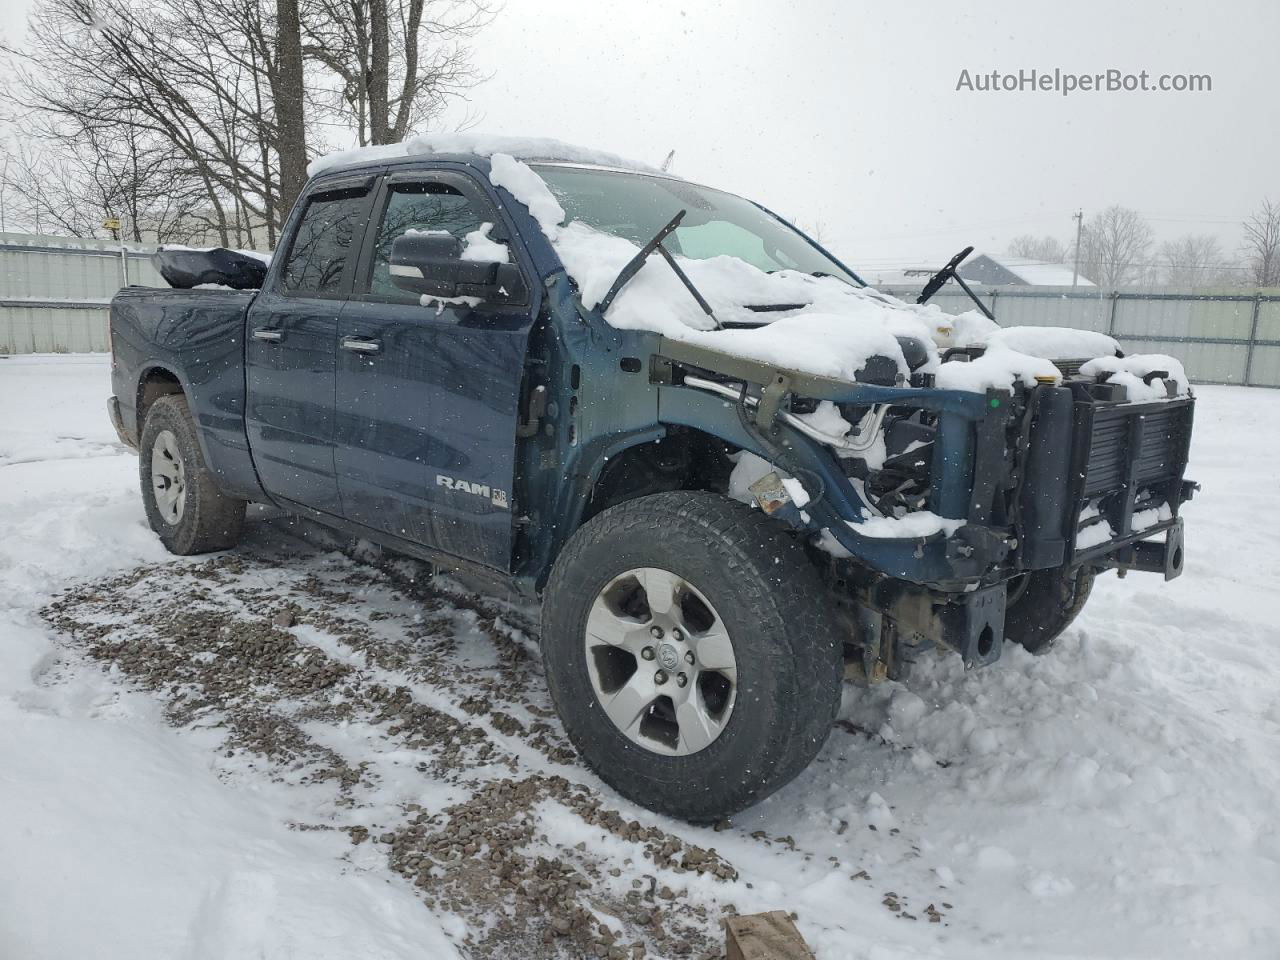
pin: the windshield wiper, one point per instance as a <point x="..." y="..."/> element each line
<point x="635" y="263"/>
<point x="762" y="308"/>
<point x="775" y="307"/>
<point x="949" y="273"/>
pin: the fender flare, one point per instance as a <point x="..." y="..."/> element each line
<point x="189" y="393"/>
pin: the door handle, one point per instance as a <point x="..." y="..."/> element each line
<point x="268" y="334"/>
<point x="361" y="345"/>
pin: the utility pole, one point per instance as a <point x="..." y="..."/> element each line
<point x="4" y="178"/>
<point x="124" y="260"/>
<point x="1075" y="269"/>
<point x="116" y="226"/>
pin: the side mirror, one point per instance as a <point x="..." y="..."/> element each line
<point x="431" y="264"/>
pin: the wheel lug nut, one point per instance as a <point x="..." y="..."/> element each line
<point x="676" y="634"/>
<point x="655" y="632"/>
<point x="660" y="677"/>
<point x="688" y="657"/>
<point x="681" y="680"/>
<point x="647" y="653"/>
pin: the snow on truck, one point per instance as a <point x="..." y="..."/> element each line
<point x="732" y="472"/>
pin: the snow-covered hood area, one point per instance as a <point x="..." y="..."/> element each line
<point x="833" y="329"/>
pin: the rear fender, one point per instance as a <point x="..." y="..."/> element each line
<point x="227" y="460"/>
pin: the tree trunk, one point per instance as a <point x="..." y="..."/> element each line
<point x="264" y="156"/>
<point x="379" y="73"/>
<point x="287" y="95"/>
<point x="405" y="109"/>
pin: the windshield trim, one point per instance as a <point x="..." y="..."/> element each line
<point x="656" y="174"/>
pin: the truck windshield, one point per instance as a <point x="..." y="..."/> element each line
<point x="635" y="206"/>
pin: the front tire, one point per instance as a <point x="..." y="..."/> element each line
<point x="1045" y="604"/>
<point x="184" y="506"/>
<point x="690" y="654"/>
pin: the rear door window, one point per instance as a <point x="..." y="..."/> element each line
<point x="330" y="229"/>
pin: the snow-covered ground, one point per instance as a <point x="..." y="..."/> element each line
<point x="163" y="799"/>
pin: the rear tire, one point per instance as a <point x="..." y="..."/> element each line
<point x="1049" y="601"/>
<point x="693" y="586"/>
<point x="184" y="506"/>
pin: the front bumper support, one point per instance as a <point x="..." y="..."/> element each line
<point x="1152" y="556"/>
<point x="897" y="619"/>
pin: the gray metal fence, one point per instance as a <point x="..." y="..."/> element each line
<point x="54" y="291"/>
<point x="1220" y="336"/>
<point x="54" y="294"/>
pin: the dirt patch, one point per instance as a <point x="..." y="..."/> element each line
<point x="397" y="694"/>
<point x="460" y="857"/>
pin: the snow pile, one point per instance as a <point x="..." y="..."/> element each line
<point x="481" y="249"/>
<point x="823" y="344"/>
<point x="521" y="182"/>
<point x="1094" y="533"/>
<point x="1053" y="343"/>
<point x="968" y="329"/>
<point x="974" y="329"/>
<point x="1101" y="531"/>
<point x="747" y="469"/>
<point x="1145" y="519"/>
<point x="478" y="144"/>
<point x="827" y="418"/>
<point x="921" y="523"/>
<point x="1129" y="371"/>
<point x="999" y="368"/>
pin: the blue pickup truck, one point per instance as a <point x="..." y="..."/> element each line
<point x="482" y="413"/>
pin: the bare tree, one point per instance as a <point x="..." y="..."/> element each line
<point x="1114" y="247"/>
<point x="1262" y="244"/>
<point x="400" y="62"/>
<point x="46" y="194"/>
<point x="174" y="75"/>
<point x="230" y="92"/>
<point x="817" y="229"/>
<point x="1194" y="260"/>
<point x="112" y="175"/>
<point x="1040" y="249"/>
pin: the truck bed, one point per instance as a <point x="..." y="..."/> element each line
<point x="194" y="338"/>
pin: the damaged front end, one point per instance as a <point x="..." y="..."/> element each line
<point x="930" y="509"/>
<point x="927" y="512"/>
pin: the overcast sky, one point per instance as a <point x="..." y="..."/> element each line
<point x="847" y="112"/>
